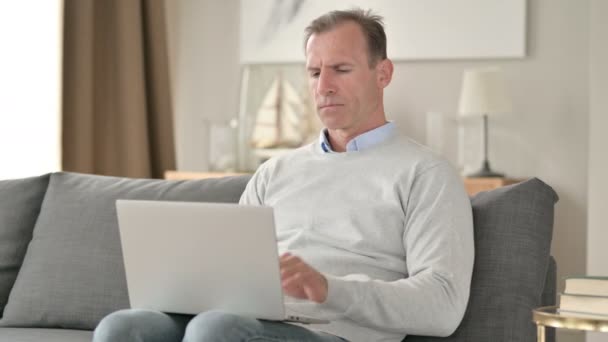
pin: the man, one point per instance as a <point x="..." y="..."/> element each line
<point x="375" y="231"/>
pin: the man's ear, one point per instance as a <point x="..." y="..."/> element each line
<point x="385" y="72"/>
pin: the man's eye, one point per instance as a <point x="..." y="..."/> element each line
<point x="314" y="74"/>
<point x="343" y="70"/>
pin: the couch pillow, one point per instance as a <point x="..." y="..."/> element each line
<point x="20" y="201"/>
<point x="73" y="273"/>
<point x="513" y="230"/>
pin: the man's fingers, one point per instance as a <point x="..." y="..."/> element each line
<point x="292" y="280"/>
<point x="291" y="264"/>
<point x="299" y="288"/>
<point x="296" y="285"/>
<point x="300" y="280"/>
<point x="300" y="269"/>
<point x="288" y="260"/>
<point x="314" y="293"/>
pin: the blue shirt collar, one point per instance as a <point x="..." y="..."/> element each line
<point x="362" y="141"/>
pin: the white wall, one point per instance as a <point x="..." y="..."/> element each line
<point x="203" y="38"/>
<point x="545" y="136"/>
<point x="597" y="253"/>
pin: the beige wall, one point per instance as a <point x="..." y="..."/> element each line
<point x="597" y="254"/>
<point x="545" y="136"/>
<point x="203" y="36"/>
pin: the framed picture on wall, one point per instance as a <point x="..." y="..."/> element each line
<point x="272" y="30"/>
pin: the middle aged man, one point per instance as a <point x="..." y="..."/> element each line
<point x="375" y="231"/>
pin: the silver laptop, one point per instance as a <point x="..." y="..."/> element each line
<point x="190" y="257"/>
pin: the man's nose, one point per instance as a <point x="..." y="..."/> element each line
<point x="326" y="84"/>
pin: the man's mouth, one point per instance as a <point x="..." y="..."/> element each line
<point x="330" y="105"/>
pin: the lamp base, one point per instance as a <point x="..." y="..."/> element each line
<point x="486" y="172"/>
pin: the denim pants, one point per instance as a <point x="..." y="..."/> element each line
<point x="213" y="326"/>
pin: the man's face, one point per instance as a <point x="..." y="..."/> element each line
<point x="347" y="91"/>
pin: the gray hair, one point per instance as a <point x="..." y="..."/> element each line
<point x="371" y="25"/>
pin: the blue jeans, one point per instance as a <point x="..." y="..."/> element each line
<point x="151" y="326"/>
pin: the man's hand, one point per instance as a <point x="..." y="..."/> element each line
<point x="301" y="281"/>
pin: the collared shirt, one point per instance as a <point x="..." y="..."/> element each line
<point x="362" y="141"/>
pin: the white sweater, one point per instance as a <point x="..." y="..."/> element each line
<point x="390" y="227"/>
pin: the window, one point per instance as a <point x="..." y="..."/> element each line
<point x="30" y="87"/>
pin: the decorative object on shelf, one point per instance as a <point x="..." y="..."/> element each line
<point x="276" y="113"/>
<point x="483" y="94"/>
<point x="221" y="155"/>
<point x="285" y="118"/>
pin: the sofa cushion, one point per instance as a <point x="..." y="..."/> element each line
<point x="20" y="201"/>
<point x="513" y="230"/>
<point x="73" y="273"/>
<point x="46" y="335"/>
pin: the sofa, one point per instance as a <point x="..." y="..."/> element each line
<point x="61" y="268"/>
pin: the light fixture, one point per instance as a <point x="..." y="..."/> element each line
<point x="483" y="94"/>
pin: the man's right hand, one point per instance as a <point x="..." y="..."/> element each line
<point x="302" y="281"/>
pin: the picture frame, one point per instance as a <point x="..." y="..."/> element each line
<point x="272" y="31"/>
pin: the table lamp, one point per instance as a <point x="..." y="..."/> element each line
<point x="483" y="94"/>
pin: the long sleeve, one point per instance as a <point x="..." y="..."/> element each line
<point x="438" y="240"/>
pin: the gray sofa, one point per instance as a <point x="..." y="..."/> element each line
<point x="61" y="266"/>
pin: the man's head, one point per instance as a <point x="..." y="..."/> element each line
<point x="348" y="71"/>
<point x="370" y="24"/>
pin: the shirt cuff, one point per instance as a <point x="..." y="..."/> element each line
<point x="339" y="298"/>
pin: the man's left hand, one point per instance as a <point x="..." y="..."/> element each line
<point x="300" y="280"/>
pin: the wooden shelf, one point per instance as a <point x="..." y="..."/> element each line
<point x="475" y="185"/>
<point x="181" y="175"/>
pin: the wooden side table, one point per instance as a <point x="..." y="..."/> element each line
<point x="475" y="185"/>
<point x="549" y="316"/>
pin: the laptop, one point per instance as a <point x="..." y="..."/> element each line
<point x="190" y="257"/>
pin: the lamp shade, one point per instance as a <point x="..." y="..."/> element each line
<point x="483" y="92"/>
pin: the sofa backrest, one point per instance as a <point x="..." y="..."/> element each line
<point x="73" y="273"/>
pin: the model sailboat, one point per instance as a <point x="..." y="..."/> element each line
<point x="285" y="119"/>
